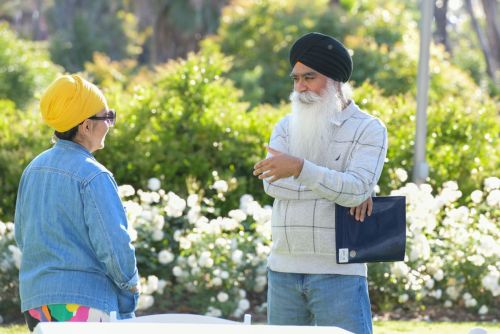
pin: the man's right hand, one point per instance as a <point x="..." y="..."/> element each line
<point x="362" y="210"/>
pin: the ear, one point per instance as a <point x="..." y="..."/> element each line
<point x="85" y="127"/>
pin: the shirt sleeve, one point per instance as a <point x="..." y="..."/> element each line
<point x="107" y="225"/>
<point x="287" y="188"/>
<point x="355" y="185"/>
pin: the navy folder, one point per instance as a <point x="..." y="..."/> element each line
<point x="381" y="237"/>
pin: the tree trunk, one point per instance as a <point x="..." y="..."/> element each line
<point x="492" y="30"/>
<point x="490" y="64"/>
<point x="441" y="34"/>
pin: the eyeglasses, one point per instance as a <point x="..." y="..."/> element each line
<point x="110" y="117"/>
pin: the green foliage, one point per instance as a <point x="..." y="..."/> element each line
<point x="186" y="121"/>
<point x="452" y="252"/>
<point x="25" y="68"/>
<point x="193" y="260"/>
<point x="9" y="283"/>
<point x="259" y="34"/>
<point x="23" y="137"/>
<point x="461" y="130"/>
<point x="79" y="28"/>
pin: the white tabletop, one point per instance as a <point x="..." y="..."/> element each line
<point x="157" y="328"/>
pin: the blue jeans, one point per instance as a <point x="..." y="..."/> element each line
<point x="322" y="300"/>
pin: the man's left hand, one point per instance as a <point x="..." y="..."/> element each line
<point x="279" y="165"/>
<point x="362" y="210"/>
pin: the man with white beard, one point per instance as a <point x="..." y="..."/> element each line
<point x="326" y="151"/>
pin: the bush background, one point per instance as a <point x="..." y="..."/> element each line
<point x="202" y="111"/>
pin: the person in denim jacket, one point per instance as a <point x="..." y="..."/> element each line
<point x="78" y="263"/>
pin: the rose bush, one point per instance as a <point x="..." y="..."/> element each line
<point x="193" y="259"/>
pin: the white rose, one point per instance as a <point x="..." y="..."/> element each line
<point x="237" y="256"/>
<point x="165" y="257"/>
<point x="493" y="198"/>
<point x="145" y="302"/>
<point x="222" y="297"/>
<point x="403" y="298"/>
<point x="157" y="235"/>
<point x="483" y="310"/>
<point x="177" y="271"/>
<point x="221" y="186"/>
<point x="244" y="305"/>
<point x="439" y="275"/>
<point x="154" y="184"/>
<point x="491" y="183"/>
<point x="476" y="196"/>
<point x="217" y="281"/>
<point x="401" y="174"/>
<point x="125" y="191"/>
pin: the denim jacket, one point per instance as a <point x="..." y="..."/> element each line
<point x="72" y="230"/>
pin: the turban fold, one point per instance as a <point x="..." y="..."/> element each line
<point x="69" y="100"/>
<point x="324" y="54"/>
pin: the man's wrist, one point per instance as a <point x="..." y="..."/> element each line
<point x="300" y="164"/>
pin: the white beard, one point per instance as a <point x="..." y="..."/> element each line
<point x="310" y="126"/>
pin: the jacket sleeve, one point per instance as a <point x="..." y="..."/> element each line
<point x="107" y="225"/>
<point x="287" y="188"/>
<point x="18" y="219"/>
<point x="355" y="185"/>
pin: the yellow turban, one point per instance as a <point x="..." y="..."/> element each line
<point x="70" y="100"/>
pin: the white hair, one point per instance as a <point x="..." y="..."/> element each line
<point x="311" y="122"/>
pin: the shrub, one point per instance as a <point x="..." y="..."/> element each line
<point x="461" y="144"/>
<point x="80" y="28"/>
<point x="10" y="258"/>
<point x="452" y="256"/>
<point x="25" y="68"/>
<point x="258" y="34"/>
<point x="182" y="123"/>
<point x="193" y="258"/>
<point x="23" y="137"/>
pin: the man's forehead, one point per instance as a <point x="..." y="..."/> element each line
<point x="300" y="69"/>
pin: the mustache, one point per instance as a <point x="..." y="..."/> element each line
<point x="305" y="97"/>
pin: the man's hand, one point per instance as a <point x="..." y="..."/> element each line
<point x="362" y="210"/>
<point x="279" y="165"/>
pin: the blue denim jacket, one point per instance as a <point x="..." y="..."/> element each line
<point x="72" y="230"/>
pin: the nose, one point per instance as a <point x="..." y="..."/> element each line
<point x="300" y="86"/>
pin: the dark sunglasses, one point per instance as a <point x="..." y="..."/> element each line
<point x="110" y="117"/>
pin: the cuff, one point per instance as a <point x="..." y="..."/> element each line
<point x="131" y="283"/>
<point x="310" y="173"/>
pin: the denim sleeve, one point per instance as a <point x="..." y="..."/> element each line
<point x="107" y="225"/>
<point x="18" y="235"/>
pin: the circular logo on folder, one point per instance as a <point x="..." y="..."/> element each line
<point x="352" y="253"/>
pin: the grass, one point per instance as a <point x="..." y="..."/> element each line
<point x="380" y="327"/>
<point x="417" y="327"/>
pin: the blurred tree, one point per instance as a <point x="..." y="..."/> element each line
<point x="483" y="42"/>
<point x="440" y="15"/>
<point x="78" y="28"/>
<point x="259" y="34"/>
<point x="25" y="68"/>
<point x="175" y="26"/>
<point x="25" y="17"/>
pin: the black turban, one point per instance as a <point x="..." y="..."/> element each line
<point x="324" y="54"/>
